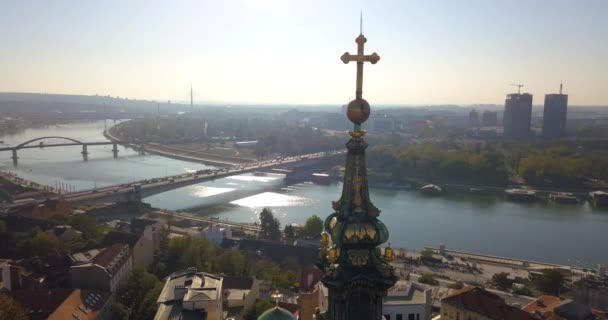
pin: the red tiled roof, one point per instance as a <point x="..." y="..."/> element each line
<point x="86" y="304"/>
<point x="485" y="303"/>
<point x="110" y="254"/>
<point x="40" y="303"/>
<point x="543" y="308"/>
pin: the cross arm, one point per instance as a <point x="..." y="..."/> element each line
<point x="347" y="57"/>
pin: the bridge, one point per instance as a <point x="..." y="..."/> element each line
<point x="68" y="142"/>
<point x="138" y="190"/>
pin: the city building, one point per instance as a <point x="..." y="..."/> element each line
<point x="592" y="292"/>
<point x="216" y="233"/>
<point x="477" y="303"/>
<point x="408" y="301"/>
<point x="62" y="303"/>
<point x="489" y="118"/>
<point x="148" y="231"/>
<point x="312" y="295"/>
<point x="191" y="295"/>
<point x="84" y="305"/>
<point x="64" y="232"/>
<point x="473" y="119"/>
<point x="15" y="277"/>
<point x="553" y="308"/>
<point x="105" y="271"/>
<point x="240" y="293"/>
<point x="555" y="114"/>
<point x="543" y="308"/>
<point x="517" y="116"/>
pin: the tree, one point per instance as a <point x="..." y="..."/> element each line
<point x="523" y="291"/>
<point x="87" y="225"/>
<point x="426" y="254"/>
<point x="270" y="225"/>
<point x="256" y="310"/>
<point x="428" y="279"/>
<point x="139" y="293"/>
<point x="312" y="228"/>
<point x="10" y="309"/>
<point x="501" y="280"/>
<point x="456" y="285"/>
<point x="289" y="231"/>
<point x="551" y="281"/>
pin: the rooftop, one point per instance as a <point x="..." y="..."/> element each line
<point x="404" y="293"/>
<point x="112" y="257"/>
<point x="485" y="303"/>
<point x="81" y="304"/>
<point x="543" y="307"/>
<point x="178" y="286"/>
<point x="242" y="283"/>
<point x="40" y="303"/>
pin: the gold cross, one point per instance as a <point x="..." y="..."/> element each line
<point x="360" y="58"/>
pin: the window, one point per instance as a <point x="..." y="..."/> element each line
<point x="387" y="316"/>
<point x="457" y="315"/>
<point x="417" y="316"/>
<point x="399" y="316"/>
<point x="411" y="316"/>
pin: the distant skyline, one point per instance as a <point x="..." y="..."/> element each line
<point x="287" y="51"/>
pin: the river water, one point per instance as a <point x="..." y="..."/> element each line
<point x="568" y="234"/>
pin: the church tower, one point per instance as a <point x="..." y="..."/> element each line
<point x="357" y="274"/>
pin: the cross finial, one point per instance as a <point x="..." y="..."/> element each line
<point x="361" y="23"/>
<point x="360" y="58"/>
<point x="358" y="109"/>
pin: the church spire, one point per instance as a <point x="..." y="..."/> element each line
<point x="356" y="273"/>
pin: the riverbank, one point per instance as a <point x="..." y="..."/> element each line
<point x="179" y="153"/>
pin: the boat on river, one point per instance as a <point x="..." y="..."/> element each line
<point x="599" y="199"/>
<point x="431" y="190"/>
<point x="563" y="197"/>
<point x="260" y="174"/>
<point x="521" y="195"/>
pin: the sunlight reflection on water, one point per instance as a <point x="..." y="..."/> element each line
<point x="253" y="178"/>
<point x="205" y="191"/>
<point x="270" y="199"/>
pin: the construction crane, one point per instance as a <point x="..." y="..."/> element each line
<point x="519" y="86"/>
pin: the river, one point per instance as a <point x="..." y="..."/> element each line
<point x="567" y="234"/>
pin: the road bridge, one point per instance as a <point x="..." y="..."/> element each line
<point x="30" y="144"/>
<point x="138" y="190"/>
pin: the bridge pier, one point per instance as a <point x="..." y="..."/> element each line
<point x="15" y="157"/>
<point x="115" y="150"/>
<point x="85" y="153"/>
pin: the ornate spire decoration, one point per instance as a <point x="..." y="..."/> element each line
<point x="357" y="274"/>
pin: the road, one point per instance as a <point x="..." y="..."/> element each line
<point x="145" y="188"/>
<point x="234" y="225"/>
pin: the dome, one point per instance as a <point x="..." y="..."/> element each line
<point x="276" y="313"/>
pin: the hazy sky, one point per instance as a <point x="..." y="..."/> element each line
<point x="281" y="51"/>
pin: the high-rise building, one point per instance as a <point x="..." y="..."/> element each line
<point x="489" y="119"/>
<point x="473" y="119"/>
<point x="517" y="116"/>
<point x="554" y="115"/>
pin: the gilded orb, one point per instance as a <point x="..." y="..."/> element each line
<point x="358" y="111"/>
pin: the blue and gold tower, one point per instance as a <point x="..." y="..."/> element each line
<point x="357" y="273"/>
